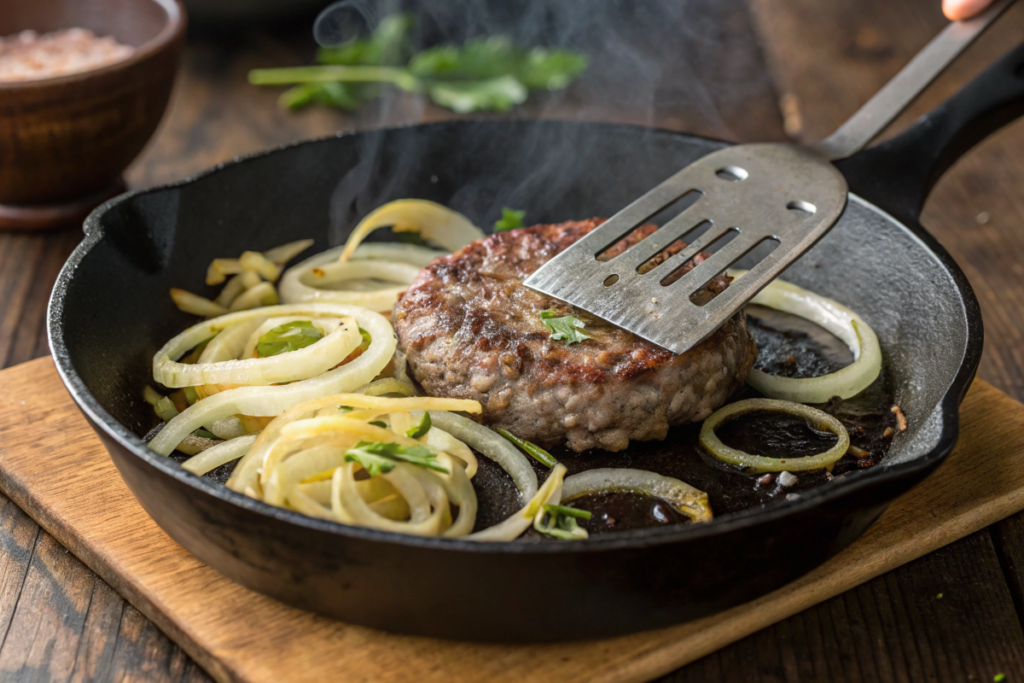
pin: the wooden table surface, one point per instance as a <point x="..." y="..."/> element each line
<point x="760" y="69"/>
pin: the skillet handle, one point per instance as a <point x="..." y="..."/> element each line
<point x="898" y="174"/>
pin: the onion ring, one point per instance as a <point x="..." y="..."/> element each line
<point x="691" y="501"/>
<point x="304" y="363"/>
<point x="759" y="464"/>
<point x="398" y="263"/>
<point x="837" y="319"/>
<point x="274" y="400"/>
<point x="431" y="220"/>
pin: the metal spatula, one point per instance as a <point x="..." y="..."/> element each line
<point x="761" y="194"/>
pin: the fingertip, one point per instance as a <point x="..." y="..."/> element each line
<point x="958" y="10"/>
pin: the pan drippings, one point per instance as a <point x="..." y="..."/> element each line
<point x="785" y="342"/>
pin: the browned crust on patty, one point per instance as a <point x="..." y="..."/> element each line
<point x="471" y="329"/>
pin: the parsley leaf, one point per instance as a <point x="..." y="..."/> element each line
<point x="292" y="336"/>
<point x="495" y="94"/>
<point x="388" y="45"/>
<point x="484" y="74"/>
<point x="378" y="457"/>
<point x="510" y="220"/>
<point x="566" y="327"/>
<point x="420" y="430"/>
<point x="550" y="69"/>
<point x="478" y="59"/>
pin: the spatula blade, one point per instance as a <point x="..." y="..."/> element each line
<point x="757" y="194"/>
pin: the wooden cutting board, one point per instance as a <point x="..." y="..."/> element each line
<point x="54" y="467"/>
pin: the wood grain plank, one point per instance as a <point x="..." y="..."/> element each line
<point x="41" y="643"/>
<point x="971" y="490"/>
<point x="18" y="536"/>
<point x="894" y="628"/>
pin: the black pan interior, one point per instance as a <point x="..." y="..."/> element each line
<point x="116" y="311"/>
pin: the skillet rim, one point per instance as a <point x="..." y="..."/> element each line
<point x="632" y="539"/>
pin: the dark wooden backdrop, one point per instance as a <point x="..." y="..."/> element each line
<point x="762" y="69"/>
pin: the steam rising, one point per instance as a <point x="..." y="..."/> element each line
<point x="659" y="64"/>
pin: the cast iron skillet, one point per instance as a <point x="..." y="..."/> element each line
<point x="110" y="311"/>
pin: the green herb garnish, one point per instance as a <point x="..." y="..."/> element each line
<point x="379" y="423"/>
<point x="510" y="220"/>
<point x="378" y="457"/>
<point x="538" y="453"/>
<point x="366" y="338"/>
<point x="292" y="336"/>
<point x="559" y="521"/>
<point x="939" y="596"/>
<point x="484" y="74"/>
<point x="566" y="327"/>
<point x="999" y="678"/>
<point x="202" y="433"/>
<point x="420" y="430"/>
<point x="568" y="510"/>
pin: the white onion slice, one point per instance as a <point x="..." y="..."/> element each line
<point x="757" y="463"/>
<point x="492" y="445"/>
<point x="837" y="319"/>
<point x="311" y="284"/>
<point x="274" y="400"/>
<point x="683" y="497"/>
<point x="431" y="220"/>
<point x="221" y="454"/>
<point x="304" y="363"/>
<point x="398" y="263"/>
<point x="521" y="520"/>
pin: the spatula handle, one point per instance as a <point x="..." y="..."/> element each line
<point x="897" y="94"/>
<point x="899" y="173"/>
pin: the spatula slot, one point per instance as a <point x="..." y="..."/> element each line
<point x="708" y="291"/>
<point x="659" y="213"/>
<point x="705" y="253"/>
<point x="666" y="251"/>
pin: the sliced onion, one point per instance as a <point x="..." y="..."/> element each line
<point x="387" y="385"/>
<point x="227" y="428"/>
<point x="218" y="455"/>
<point x="262" y="455"/>
<point x="837" y="319"/>
<point x="683" y="497"/>
<point x="194" y="445"/>
<point x="758" y="463"/>
<point x="286" y="367"/>
<point x="231" y="291"/>
<point x="488" y="443"/>
<point x="195" y="304"/>
<point x="432" y="221"/>
<point x="440" y="440"/>
<point x="274" y="400"/>
<point x="263" y="294"/>
<point x="286" y="252"/>
<point x="397" y="263"/>
<point x="521" y="520"/>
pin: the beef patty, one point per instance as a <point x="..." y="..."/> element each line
<point x="471" y="329"/>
